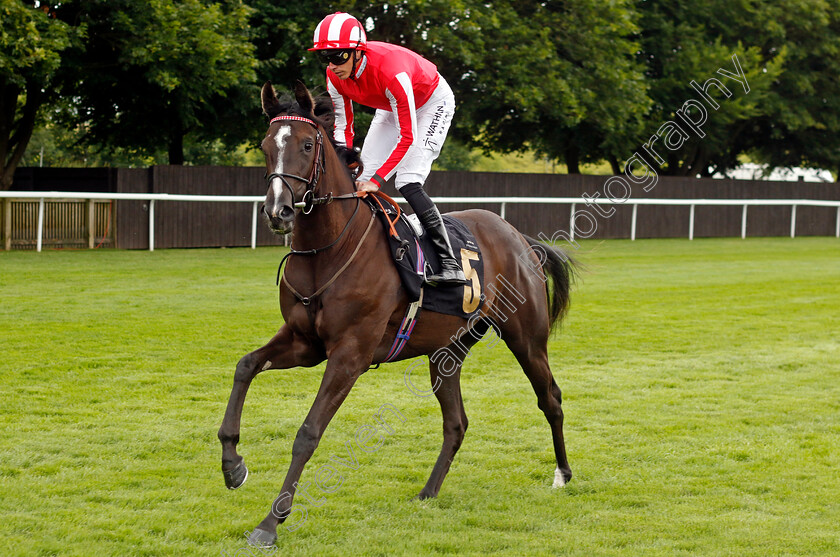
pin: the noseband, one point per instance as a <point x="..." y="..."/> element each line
<point x="308" y="201"/>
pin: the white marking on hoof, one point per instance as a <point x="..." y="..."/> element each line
<point x="558" y="478"/>
<point x="267" y="365"/>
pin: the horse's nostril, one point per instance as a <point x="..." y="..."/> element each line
<point x="287" y="213"/>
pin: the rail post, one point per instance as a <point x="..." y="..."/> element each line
<point x="151" y="225"/>
<point x="40" y="234"/>
<point x="837" y="224"/>
<point x="254" y="214"/>
<point x="7" y="223"/>
<point x="744" y="222"/>
<point x="91" y="223"/>
<point x="691" y="223"/>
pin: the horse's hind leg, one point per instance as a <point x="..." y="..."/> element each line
<point x="532" y="355"/>
<point x="284" y="350"/>
<point x="455" y="423"/>
<point x="446" y="375"/>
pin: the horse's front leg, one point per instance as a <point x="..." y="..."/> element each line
<point x="284" y="350"/>
<point x="343" y="369"/>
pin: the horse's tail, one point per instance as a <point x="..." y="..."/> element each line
<point x="560" y="271"/>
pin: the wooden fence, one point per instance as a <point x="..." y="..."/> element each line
<point x="652" y="221"/>
<point x="125" y="224"/>
<point x="182" y="224"/>
<point x="68" y="224"/>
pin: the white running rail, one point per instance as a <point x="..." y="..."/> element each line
<point x="255" y="201"/>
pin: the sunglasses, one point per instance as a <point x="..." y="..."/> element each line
<point x="337" y="57"/>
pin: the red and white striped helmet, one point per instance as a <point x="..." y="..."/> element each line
<point x="339" y="30"/>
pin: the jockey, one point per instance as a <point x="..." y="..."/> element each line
<point x="414" y="107"/>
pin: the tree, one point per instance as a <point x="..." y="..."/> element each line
<point x="282" y="34"/>
<point x="456" y="156"/>
<point x="595" y="45"/>
<point x="31" y="45"/>
<point x="685" y="41"/>
<point x="582" y="80"/>
<point x="152" y="75"/>
<point x="801" y="123"/>
<point x="555" y="77"/>
<point x="577" y="81"/>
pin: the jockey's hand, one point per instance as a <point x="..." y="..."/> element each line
<point x="366" y="185"/>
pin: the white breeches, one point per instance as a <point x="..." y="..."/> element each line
<point x="433" y="120"/>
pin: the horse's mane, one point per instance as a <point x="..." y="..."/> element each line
<point x="324" y="115"/>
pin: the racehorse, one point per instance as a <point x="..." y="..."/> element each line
<point x="353" y="303"/>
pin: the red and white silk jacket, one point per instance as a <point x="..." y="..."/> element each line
<point x="389" y="77"/>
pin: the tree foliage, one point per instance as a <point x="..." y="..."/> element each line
<point x="153" y="74"/>
<point x="577" y="81"/>
<point x="31" y="45"/>
<point x="800" y="123"/>
<point x="555" y="77"/>
<point x="684" y="42"/>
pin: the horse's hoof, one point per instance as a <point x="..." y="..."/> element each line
<point x="561" y="478"/>
<point x="261" y="538"/>
<point x="236" y="477"/>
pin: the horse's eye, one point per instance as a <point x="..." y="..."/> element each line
<point x="308" y="146"/>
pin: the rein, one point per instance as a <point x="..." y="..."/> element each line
<point x="306" y="300"/>
<point x="316" y="251"/>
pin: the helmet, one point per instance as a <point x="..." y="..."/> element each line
<point x="339" y="30"/>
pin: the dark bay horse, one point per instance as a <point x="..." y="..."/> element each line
<point x="342" y="301"/>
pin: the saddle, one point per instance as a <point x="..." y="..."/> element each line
<point x="415" y="258"/>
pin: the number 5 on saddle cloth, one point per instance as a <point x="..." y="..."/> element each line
<point x="415" y="258"/>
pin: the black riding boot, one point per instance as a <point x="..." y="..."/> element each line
<point x="424" y="208"/>
<point x="450" y="271"/>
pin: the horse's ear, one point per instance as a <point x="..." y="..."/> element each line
<point x="303" y="98"/>
<point x="270" y="104"/>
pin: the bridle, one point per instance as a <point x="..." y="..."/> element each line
<point x="308" y="201"/>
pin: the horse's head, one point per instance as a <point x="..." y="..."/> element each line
<point x="293" y="148"/>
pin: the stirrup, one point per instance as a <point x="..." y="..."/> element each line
<point x="450" y="275"/>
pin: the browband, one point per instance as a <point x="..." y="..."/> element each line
<point x="298" y="118"/>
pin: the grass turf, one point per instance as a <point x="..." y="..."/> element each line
<point x="701" y="388"/>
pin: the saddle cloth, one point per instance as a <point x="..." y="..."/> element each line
<point x="415" y="257"/>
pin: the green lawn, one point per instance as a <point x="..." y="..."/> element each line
<point x="701" y="387"/>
